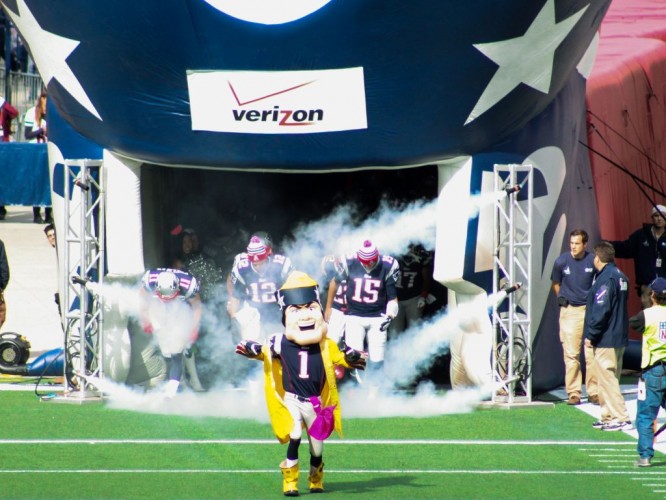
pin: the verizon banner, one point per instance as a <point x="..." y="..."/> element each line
<point x="277" y="102"/>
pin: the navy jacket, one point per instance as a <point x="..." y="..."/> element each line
<point x="644" y="249"/>
<point x="4" y="267"/>
<point x="606" y="320"/>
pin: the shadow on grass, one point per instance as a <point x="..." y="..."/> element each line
<point x="373" y="485"/>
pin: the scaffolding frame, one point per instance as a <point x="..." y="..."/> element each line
<point x="84" y="258"/>
<point x="512" y="263"/>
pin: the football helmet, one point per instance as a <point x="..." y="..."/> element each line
<point x="368" y="255"/>
<point x="331" y="267"/>
<point x="167" y="285"/>
<point x="416" y="254"/>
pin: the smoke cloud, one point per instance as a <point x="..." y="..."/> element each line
<point x="238" y="391"/>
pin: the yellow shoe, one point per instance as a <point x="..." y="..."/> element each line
<point x="316" y="479"/>
<point x="290" y="479"/>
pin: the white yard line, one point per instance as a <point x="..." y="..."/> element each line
<point x="350" y="442"/>
<point x="339" y="471"/>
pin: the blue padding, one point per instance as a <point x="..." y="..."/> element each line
<point x="24" y="174"/>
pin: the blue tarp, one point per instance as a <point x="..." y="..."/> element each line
<point x="24" y="174"/>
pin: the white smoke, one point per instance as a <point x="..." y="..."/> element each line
<point x="391" y="229"/>
<point x="239" y="390"/>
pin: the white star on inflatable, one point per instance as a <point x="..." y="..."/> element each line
<point x="50" y="53"/>
<point x="527" y="59"/>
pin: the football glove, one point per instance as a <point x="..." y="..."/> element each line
<point x="355" y="359"/>
<point x="420" y="302"/>
<point x="385" y="324"/>
<point x="248" y="348"/>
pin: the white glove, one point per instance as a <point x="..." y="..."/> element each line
<point x="392" y="309"/>
<point x="421" y="302"/>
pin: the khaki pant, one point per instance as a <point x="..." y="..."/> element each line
<point x="608" y="366"/>
<point x="572" y="321"/>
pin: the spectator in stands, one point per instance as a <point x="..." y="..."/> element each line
<point x="34" y="130"/>
<point x="7" y="114"/>
<point x="647" y="246"/>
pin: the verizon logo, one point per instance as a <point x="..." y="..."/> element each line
<point x="283" y="117"/>
<point x="278" y="102"/>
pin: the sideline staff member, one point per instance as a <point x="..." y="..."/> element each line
<point x="647" y="246"/>
<point x="572" y="276"/>
<point x="651" y="322"/>
<point x="606" y="327"/>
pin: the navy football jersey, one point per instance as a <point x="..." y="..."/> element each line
<point x="259" y="289"/>
<point x="412" y="264"/>
<point x="332" y="268"/>
<point x="368" y="292"/>
<point x="303" y="370"/>
<point x="340" y="300"/>
<point x="188" y="286"/>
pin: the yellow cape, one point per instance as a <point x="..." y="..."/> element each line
<point x="281" y="419"/>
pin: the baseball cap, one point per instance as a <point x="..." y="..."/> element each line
<point x="658" y="286"/>
<point x="661" y="208"/>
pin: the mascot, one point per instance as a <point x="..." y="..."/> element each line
<point x="300" y="380"/>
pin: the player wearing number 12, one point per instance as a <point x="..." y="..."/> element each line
<point x="255" y="277"/>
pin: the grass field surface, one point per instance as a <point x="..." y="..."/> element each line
<point x="54" y="450"/>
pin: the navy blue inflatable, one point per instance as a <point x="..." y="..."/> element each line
<point x="306" y="85"/>
<point x="324" y="86"/>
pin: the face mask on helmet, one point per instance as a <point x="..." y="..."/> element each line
<point x="167" y="286"/>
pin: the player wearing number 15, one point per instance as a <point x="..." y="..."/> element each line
<point x="371" y="300"/>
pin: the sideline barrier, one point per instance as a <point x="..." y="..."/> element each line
<point x="24" y="174"/>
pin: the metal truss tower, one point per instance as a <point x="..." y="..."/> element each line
<point x="84" y="259"/>
<point x="512" y="263"/>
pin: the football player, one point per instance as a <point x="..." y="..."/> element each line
<point x="336" y="302"/>
<point x="301" y="389"/>
<point x="413" y="287"/>
<point x="371" y="300"/>
<point x="172" y="313"/>
<point x="255" y="278"/>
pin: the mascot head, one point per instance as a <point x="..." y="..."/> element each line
<point x="302" y="314"/>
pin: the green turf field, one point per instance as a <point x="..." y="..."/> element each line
<point x="57" y="450"/>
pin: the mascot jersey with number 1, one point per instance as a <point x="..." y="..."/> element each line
<point x="300" y="383"/>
